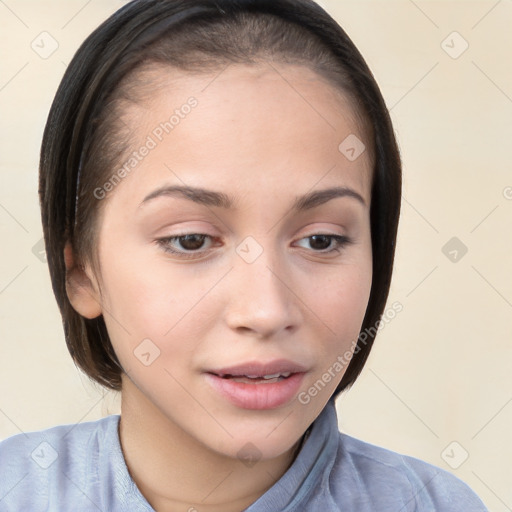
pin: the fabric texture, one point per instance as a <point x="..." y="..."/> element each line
<point x="81" y="467"/>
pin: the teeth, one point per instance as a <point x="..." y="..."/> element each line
<point x="277" y="375"/>
<point x="266" y="377"/>
<point x="273" y="376"/>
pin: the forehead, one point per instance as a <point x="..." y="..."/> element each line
<point x="261" y="127"/>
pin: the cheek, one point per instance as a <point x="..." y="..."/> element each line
<point x="138" y="297"/>
<point x="158" y="302"/>
<point x="344" y="305"/>
<point x="353" y="291"/>
<point x="341" y="304"/>
<point x="138" y="301"/>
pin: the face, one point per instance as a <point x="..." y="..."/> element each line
<point x="246" y="273"/>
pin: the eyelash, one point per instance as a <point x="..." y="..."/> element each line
<point x="341" y="242"/>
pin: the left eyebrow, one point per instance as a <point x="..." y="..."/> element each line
<point x="219" y="199"/>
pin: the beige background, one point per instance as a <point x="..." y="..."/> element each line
<point x="441" y="369"/>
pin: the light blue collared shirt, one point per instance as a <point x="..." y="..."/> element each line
<point x="81" y="468"/>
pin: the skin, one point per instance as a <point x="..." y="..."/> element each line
<point x="262" y="140"/>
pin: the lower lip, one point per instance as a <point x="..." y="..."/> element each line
<point x="257" y="396"/>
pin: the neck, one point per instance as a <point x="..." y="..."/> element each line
<point x="175" y="471"/>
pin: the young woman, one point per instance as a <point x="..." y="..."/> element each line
<point x="220" y="190"/>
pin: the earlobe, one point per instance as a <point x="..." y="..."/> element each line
<point x="81" y="287"/>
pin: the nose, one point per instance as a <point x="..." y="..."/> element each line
<point x="262" y="301"/>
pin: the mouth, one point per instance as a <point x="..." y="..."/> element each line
<point x="275" y="369"/>
<point x="256" y="379"/>
<point x="256" y="385"/>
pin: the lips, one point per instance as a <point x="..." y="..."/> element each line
<point x="256" y="385"/>
<point x="278" y="368"/>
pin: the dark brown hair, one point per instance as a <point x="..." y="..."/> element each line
<point x="85" y="138"/>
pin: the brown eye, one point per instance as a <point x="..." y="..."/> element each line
<point x="187" y="245"/>
<point x="321" y="242"/>
<point x="192" y="242"/>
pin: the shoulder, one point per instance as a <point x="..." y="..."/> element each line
<point x="57" y="461"/>
<point x="392" y="481"/>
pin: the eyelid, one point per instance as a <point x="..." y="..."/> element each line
<point x="341" y="241"/>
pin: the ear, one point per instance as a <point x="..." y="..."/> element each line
<point x="81" y="286"/>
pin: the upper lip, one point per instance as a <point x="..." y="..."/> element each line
<point x="260" y="369"/>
